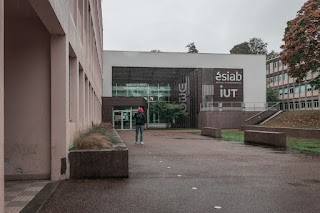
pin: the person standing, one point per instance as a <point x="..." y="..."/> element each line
<point x="140" y="121"/>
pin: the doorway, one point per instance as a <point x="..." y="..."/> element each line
<point x="124" y="119"/>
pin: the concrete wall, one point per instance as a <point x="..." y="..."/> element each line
<point x="253" y="67"/>
<point x="27" y="98"/>
<point x="54" y="48"/>
<point x="1" y="105"/>
<point x="223" y="120"/>
<point x="290" y="132"/>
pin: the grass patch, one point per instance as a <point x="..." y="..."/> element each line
<point x="299" y="144"/>
<point x="97" y="137"/>
<point x="304" y="144"/>
<point x="232" y="135"/>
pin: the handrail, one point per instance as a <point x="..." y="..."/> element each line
<point x="236" y="106"/>
<point x="262" y="111"/>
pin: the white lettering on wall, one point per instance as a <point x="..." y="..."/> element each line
<point x="228" y="77"/>
<point x="226" y="93"/>
<point x="183" y="95"/>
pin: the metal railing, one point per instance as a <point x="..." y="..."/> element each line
<point x="239" y="106"/>
<point x="274" y="107"/>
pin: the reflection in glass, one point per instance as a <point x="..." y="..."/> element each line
<point x="126" y="120"/>
<point x="150" y="92"/>
<point x="117" y="120"/>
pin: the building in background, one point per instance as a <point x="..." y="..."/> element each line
<point x="292" y="95"/>
<point x="50" y="83"/>
<point x="201" y="83"/>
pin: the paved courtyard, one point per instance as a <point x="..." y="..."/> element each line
<point x="19" y="193"/>
<point x="179" y="171"/>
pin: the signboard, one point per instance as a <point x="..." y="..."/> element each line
<point x="183" y="93"/>
<point x="228" y="85"/>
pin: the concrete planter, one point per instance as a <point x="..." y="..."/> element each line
<point x="290" y="132"/>
<point x="108" y="163"/>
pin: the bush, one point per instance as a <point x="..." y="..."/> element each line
<point x="97" y="137"/>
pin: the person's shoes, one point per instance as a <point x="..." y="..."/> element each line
<point x="141" y="142"/>
<point x="136" y="142"/>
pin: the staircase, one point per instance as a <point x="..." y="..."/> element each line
<point x="262" y="116"/>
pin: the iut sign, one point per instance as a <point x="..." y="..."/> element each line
<point x="228" y="85"/>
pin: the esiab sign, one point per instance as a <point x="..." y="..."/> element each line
<point x="228" y="85"/>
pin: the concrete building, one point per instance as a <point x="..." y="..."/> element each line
<point x="292" y="95"/>
<point x="50" y="83"/>
<point x="199" y="82"/>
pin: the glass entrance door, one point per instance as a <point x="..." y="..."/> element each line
<point x="117" y="123"/>
<point x="122" y="120"/>
<point x="126" y="120"/>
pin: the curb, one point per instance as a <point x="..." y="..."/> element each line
<point x="41" y="198"/>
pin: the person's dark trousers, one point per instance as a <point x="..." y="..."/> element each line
<point x="139" y="127"/>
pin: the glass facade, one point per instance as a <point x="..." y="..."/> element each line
<point x="152" y="93"/>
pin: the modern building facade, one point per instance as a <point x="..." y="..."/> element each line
<point x="292" y="95"/>
<point x="50" y="83"/>
<point x="198" y="82"/>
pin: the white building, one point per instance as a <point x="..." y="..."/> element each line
<point x="156" y="77"/>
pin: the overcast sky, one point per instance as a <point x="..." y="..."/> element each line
<point x="215" y="26"/>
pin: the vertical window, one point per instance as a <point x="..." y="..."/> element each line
<point x="291" y="105"/>
<point x="303" y="105"/>
<point x="316" y="103"/>
<point x="280" y="91"/>
<point x="274" y="64"/>
<point x="309" y="88"/>
<point x="309" y="104"/>
<point x="291" y="90"/>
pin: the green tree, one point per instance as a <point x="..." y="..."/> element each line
<point x="242" y="48"/>
<point x="253" y="46"/>
<point x="168" y="111"/>
<point x="257" y="46"/>
<point x="272" y="55"/>
<point x="301" y="49"/>
<point x="192" y="48"/>
<point x="272" y="95"/>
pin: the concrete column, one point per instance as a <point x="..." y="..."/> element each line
<point x="1" y="105"/>
<point x="82" y="99"/>
<point x="77" y="98"/>
<point x="92" y="105"/>
<point x="59" y="105"/>
<point x="87" y="102"/>
<point x="74" y="90"/>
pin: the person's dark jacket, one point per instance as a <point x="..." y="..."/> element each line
<point x="143" y="118"/>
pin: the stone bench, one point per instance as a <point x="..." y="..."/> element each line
<point x="210" y="131"/>
<point x="275" y="139"/>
